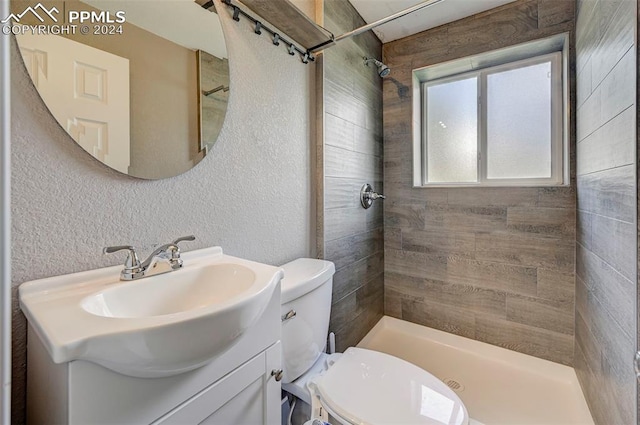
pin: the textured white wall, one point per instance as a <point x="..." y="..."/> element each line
<point x="251" y="194"/>
<point x="5" y="243"/>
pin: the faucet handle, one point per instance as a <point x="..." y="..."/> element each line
<point x="184" y="238"/>
<point x="112" y="249"/>
<point x="174" y="249"/>
<point x="132" y="261"/>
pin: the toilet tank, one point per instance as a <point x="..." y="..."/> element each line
<point x="306" y="290"/>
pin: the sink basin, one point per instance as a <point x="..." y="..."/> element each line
<point x="157" y="326"/>
<point x="184" y="290"/>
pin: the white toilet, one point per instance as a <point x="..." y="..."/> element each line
<point x="362" y="387"/>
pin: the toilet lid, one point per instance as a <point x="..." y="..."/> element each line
<point x="367" y="387"/>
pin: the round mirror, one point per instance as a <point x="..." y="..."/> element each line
<point x="142" y="85"/>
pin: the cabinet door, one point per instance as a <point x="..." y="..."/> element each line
<point x="245" y="407"/>
<point x="248" y="396"/>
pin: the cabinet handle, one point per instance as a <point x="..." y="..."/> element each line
<point x="277" y="373"/>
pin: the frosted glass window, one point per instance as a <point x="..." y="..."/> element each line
<point x="498" y="126"/>
<point x="452" y="132"/>
<point x="519" y="123"/>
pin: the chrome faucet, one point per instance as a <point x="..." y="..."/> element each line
<point x="163" y="259"/>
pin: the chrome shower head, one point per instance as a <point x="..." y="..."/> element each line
<point x="383" y="70"/>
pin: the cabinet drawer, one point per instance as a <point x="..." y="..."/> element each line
<point x="203" y="405"/>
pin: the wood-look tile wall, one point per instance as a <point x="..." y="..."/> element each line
<point x="351" y="155"/>
<point x="493" y="264"/>
<point x="606" y="262"/>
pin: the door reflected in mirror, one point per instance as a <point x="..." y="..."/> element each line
<point x="141" y="85"/>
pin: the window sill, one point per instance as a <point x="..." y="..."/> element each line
<point x="484" y="186"/>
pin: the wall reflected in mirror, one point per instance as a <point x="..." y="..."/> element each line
<point x="146" y="97"/>
<point x="214" y="96"/>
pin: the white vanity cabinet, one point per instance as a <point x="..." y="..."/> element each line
<point x="248" y="395"/>
<point x="237" y="387"/>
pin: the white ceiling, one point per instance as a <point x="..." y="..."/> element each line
<point x="441" y="13"/>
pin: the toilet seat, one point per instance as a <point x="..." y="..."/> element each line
<point x="366" y="387"/>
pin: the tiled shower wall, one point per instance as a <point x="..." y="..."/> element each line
<point x="492" y="264"/>
<point x="606" y="250"/>
<point x="351" y="236"/>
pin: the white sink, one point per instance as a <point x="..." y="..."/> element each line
<point x="188" y="289"/>
<point x="157" y="326"/>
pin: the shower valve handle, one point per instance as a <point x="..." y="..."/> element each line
<point x="367" y="196"/>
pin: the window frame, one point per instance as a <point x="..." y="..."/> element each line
<point x="558" y="117"/>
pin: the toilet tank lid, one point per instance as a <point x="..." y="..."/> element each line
<point x="303" y="275"/>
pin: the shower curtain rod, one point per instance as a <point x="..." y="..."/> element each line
<point x="375" y="24"/>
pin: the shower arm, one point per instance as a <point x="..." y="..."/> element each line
<point x="375" y="24"/>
